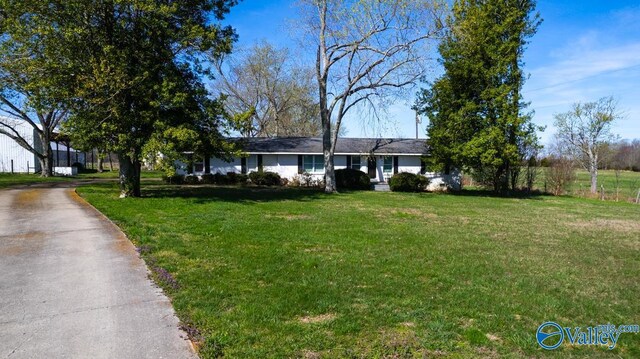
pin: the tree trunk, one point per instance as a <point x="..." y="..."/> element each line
<point x="594" y="181"/>
<point x="593" y="171"/>
<point x="47" y="166"/>
<point x="100" y="165"/>
<point x="129" y="176"/>
<point x="46" y="162"/>
<point x="329" y="173"/>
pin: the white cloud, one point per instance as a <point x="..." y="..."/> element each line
<point x="588" y="67"/>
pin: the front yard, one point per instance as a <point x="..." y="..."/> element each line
<point x="295" y="273"/>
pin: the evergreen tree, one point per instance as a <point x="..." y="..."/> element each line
<point x="478" y="120"/>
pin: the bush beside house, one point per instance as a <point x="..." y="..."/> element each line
<point x="261" y="178"/>
<point x="352" y="179"/>
<point x="408" y="182"/>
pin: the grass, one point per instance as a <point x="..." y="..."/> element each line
<point x="628" y="184"/>
<point x="9" y="179"/>
<point x="270" y="273"/>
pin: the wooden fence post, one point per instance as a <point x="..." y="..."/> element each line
<point x="638" y="197"/>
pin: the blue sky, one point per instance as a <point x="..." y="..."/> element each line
<point x="583" y="50"/>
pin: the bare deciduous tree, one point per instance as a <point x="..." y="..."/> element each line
<point x="366" y="50"/>
<point x="280" y="94"/>
<point x="43" y="122"/>
<point x="586" y="130"/>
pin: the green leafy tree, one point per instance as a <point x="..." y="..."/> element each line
<point x="121" y="70"/>
<point x="34" y="82"/>
<point x="478" y="120"/>
<point x="141" y="74"/>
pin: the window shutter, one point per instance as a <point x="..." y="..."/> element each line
<point x="243" y="165"/>
<point x="348" y="161"/>
<point x="423" y="166"/>
<point x="259" y="163"/>
<point x="207" y="164"/>
<point x="300" y="164"/>
<point x="395" y="165"/>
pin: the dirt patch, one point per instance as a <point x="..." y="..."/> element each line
<point x="399" y="342"/>
<point x="485" y="352"/>
<point x="616" y="225"/>
<point x="308" y="354"/>
<point x="288" y="217"/>
<point x="406" y="213"/>
<point x="314" y="319"/>
<point x="493" y="338"/>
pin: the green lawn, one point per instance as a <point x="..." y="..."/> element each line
<point x="265" y="273"/>
<point x="628" y="184"/>
<point x="8" y="179"/>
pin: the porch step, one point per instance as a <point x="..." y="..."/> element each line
<point x="381" y="186"/>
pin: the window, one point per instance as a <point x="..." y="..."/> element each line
<point x="198" y="167"/>
<point x="252" y="163"/>
<point x="313" y="164"/>
<point x="355" y="162"/>
<point x="387" y="166"/>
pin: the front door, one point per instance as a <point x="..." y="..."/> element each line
<point x="372" y="167"/>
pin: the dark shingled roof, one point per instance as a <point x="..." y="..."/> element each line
<point x="313" y="145"/>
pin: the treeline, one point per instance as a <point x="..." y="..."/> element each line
<point x="618" y="155"/>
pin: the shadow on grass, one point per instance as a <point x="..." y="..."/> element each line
<point x="536" y="195"/>
<point x="203" y="194"/>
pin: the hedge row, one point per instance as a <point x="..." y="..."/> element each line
<point x="231" y="178"/>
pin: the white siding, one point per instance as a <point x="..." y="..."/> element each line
<point x="284" y="165"/>
<point x="409" y="164"/>
<point x="270" y="163"/>
<point x="219" y="166"/>
<point x="11" y="151"/>
<point x="287" y="167"/>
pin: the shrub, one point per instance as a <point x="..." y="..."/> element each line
<point x="306" y="179"/>
<point x="219" y="178"/>
<point x="207" y="178"/>
<point x="175" y="179"/>
<point x="408" y="182"/>
<point x="349" y="178"/>
<point x="559" y="175"/>
<point x="261" y="178"/>
<point x="241" y="178"/>
<point x="232" y="178"/>
<point x="191" y="179"/>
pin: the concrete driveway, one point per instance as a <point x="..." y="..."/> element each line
<point x="73" y="286"/>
